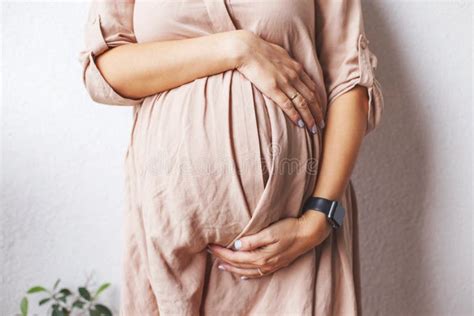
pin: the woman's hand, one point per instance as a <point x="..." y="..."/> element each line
<point x="281" y="78"/>
<point x="274" y="247"/>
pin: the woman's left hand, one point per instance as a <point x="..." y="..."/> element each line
<point x="274" y="247"/>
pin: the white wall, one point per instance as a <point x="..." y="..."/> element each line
<point x="62" y="179"/>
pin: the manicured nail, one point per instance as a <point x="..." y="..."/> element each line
<point x="208" y="250"/>
<point x="243" y="277"/>
<point x="300" y="123"/>
<point x="322" y="125"/>
<point x="314" y="129"/>
<point x="237" y="244"/>
<point x="221" y="267"/>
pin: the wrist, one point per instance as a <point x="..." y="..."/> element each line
<point x="240" y="46"/>
<point x="329" y="193"/>
<point x="314" y="227"/>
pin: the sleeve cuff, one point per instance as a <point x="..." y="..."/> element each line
<point x="98" y="88"/>
<point x="365" y="77"/>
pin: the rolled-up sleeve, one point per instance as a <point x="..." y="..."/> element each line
<point x="109" y="24"/>
<point x="344" y="54"/>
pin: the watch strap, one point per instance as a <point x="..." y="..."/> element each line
<point x="333" y="209"/>
<point x="321" y="204"/>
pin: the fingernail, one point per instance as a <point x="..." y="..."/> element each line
<point x="314" y="129"/>
<point x="237" y="244"/>
<point x="243" y="277"/>
<point x="300" y="123"/>
<point x="322" y="125"/>
<point x="209" y="250"/>
<point x="221" y="267"/>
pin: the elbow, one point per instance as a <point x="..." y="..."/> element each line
<point x="95" y="88"/>
<point x="100" y="91"/>
<point x="98" y="95"/>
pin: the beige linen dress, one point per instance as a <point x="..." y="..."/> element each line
<point x="214" y="159"/>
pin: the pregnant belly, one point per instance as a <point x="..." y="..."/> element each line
<point x="214" y="158"/>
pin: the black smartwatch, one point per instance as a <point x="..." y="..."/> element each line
<point x="333" y="209"/>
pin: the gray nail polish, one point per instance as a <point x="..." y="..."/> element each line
<point x="322" y="125"/>
<point x="243" y="277"/>
<point x="314" y="129"/>
<point x="300" y="123"/>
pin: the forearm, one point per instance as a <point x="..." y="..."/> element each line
<point x="342" y="138"/>
<point x="142" y="69"/>
<point x="346" y="123"/>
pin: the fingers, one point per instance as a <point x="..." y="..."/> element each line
<point x="252" y="242"/>
<point x="243" y="259"/>
<point x="297" y="81"/>
<point x="284" y="102"/>
<point x="300" y="96"/>
<point x="318" y="114"/>
<point x="306" y="78"/>
<point x="284" y="80"/>
<point x="301" y="102"/>
<point x="245" y="273"/>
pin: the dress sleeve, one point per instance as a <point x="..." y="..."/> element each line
<point x="345" y="57"/>
<point x="109" y="24"/>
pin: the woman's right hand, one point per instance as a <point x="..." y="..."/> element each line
<point x="270" y="68"/>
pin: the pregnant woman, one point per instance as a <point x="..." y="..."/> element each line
<point x="242" y="112"/>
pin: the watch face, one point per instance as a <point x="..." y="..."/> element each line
<point x="333" y="223"/>
<point x="338" y="215"/>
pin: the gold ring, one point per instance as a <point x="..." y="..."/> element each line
<point x="260" y="271"/>
<point x="296" y="94"/>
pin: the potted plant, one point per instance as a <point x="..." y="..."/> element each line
<point x="66" y="302"/>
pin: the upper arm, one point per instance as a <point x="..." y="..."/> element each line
<point x="344" y="55"/>
<point x="109" y="24"/>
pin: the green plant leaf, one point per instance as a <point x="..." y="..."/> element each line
<point x="65" y="292"/>
<point x="66" y="312"/>
<point x="94" y="312"/>
<point x="104" y="310"/>
<point x="36" y="289"/>
<point x="24" y="306"/>
<point x="101" y="289"/>
<point x="44" y="300"/>
<point x="56" y="284"/>
<point x="78" y="304"/>
<point x="84" y="293"/>
<point x="57" y="312"/>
